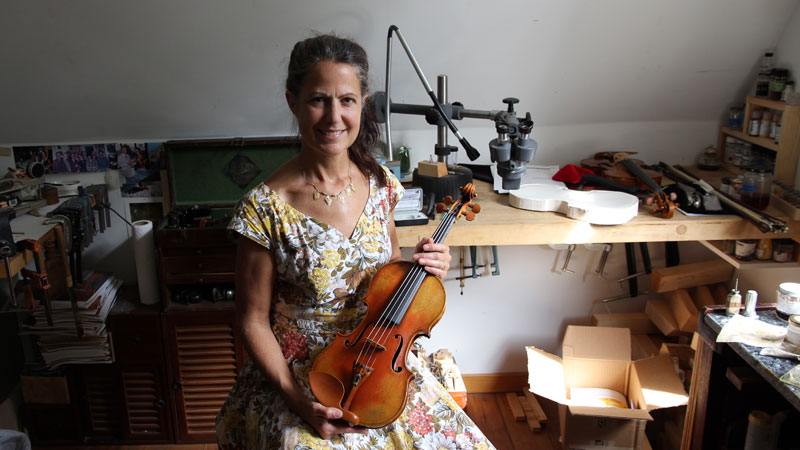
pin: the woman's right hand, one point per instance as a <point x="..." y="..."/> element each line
<point x="327" y="421"/>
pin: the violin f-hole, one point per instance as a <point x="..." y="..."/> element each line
<point x="397" y="353"/>
<point x="347" y="342"/>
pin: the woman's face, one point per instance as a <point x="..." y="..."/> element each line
<point x="328" y="108"/>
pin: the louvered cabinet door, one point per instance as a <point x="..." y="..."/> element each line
<point x="146" y="404"/>
<point x="205" y="358"/>
<point x="101" y="400"/>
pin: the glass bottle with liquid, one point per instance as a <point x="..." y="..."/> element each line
<point x="756" y="187"/>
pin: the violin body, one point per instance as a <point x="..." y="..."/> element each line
<point x="371" y="390"/>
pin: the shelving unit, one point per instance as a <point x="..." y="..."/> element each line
<point x="788" y="148"/>
<point x="716" y="247"/>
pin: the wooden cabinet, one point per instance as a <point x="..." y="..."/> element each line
<point x="172" y="372"/>
<point x="204" y="357"/>
<point x="788" y="148"/>
<point x="139" y="352"/>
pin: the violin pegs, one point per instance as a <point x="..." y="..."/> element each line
<point x="476" y="208"/>
<point x="440" y="207"/>
<point x="470" y="216"/>
<point x="448" y="200"/>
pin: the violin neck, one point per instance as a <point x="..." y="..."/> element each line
<point x="413" y="280"/>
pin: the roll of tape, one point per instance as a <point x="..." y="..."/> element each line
<point x="68" y="187"/>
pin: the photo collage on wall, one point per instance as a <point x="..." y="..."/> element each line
<point x="138" y="163"/>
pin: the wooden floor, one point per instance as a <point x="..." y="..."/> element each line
<point x="489" y="411"/>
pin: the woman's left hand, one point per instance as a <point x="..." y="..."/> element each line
<point x="435" y="258"/>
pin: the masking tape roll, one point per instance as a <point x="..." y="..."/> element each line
<point x="68" y="187"/>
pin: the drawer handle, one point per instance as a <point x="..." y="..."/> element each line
<point x="160" y="403"/>
<point x="177" y="384"/>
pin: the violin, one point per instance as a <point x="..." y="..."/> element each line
<point x="620" y="167"/>
<point x="363" y="373"/>
<point x="608" y="165"/>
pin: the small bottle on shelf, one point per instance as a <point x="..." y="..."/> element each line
<point x="755" y="123"/>
<point x="766" y="123"/>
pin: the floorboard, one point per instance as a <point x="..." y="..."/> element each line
<point x="489" y="411"/>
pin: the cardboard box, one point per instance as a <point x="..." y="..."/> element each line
<point x="600" y="357"/>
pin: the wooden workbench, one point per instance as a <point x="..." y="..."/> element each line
<point x="501" y="224"/>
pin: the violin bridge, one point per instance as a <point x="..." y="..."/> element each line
<point x="360" y="372"/>
<point x="375" y="345"/>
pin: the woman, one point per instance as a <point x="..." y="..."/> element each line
<point x="315" y="233"/>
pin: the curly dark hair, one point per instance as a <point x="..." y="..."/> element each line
<point x="329" y="47"/>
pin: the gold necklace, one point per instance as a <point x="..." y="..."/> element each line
<point x="329" y="198"/>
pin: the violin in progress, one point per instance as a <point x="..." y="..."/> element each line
<point x="363" y="373"/>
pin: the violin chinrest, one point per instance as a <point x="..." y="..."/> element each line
<point x="330" y="391"/>
<point x="595" y="207"/>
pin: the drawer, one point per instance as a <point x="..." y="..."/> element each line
<point x="137" y="339"/>
<point x="198" y="264"/>
<point x="200" y="278"/>
<point x="227" y="250"/>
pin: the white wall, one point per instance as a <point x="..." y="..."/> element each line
<point x="652" y="77"/>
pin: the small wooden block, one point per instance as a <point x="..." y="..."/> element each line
<point x="432" y="169"/>
<point x="683" y="309"/>
<point x="537" y="408"/>
<point x="530" y="415"/>
<point x="691" y="275"/>
<point x="660" y="313"/>
<point x="516" y="408"/>
<point x="701" y="295"/>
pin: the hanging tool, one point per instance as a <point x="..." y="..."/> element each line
<point x="38" y="279"/>
<point x="630" y="256"/>
<point x="762" y="221"/>
<point x="606" y="248"/>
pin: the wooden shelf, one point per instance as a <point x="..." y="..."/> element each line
<point x="716" y="247"/>
<point x="501" y="224"/>
<point x="755" y="140"/>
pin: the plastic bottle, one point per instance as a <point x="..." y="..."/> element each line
<point x="766" y="123"/>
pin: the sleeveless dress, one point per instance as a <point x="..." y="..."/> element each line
<point x="322" y="277"/>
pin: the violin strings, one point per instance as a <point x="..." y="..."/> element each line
<point x="409" y="285"/>
<point x="405" y="293"/>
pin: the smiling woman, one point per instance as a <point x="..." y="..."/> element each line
<point x="315" y="233"/>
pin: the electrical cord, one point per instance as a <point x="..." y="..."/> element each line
<point x="106" y="205"/>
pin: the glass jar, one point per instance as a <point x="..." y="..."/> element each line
<point x="745" y="249"/>
<point x="788" y="300"/>
<point x="782" y="250"/>
<point x="764" y="249"/>
<point x="736" y="118"/>
<point x="709" y="159"/>
<point x="777" y="83"/>
<point x="756" y="187"/>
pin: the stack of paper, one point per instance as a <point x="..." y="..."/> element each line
<point x="59" y="343"/>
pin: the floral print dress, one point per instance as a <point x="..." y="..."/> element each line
<point x="322" y="277"/>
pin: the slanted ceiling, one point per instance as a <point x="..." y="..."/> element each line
<point x="99" y="69"/>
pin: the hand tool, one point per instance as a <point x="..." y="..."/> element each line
<point x="38" y="279"/>
<point x="606" y="248"/>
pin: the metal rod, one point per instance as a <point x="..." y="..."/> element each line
<point x="472" y="152"/>
<point x="764" y="222"/>
<point x="388" y="96"/>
